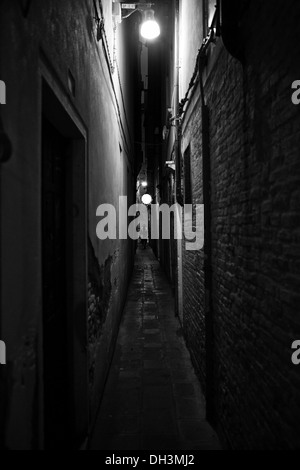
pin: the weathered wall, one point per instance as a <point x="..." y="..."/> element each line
<point x="254" y="131"/>
<point x="61" y="35"/>
<point x="254" y="154"/>
<point x="191" y="35"/>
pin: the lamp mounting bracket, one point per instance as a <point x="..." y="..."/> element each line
<point x="141" y="7"/>
<point x="133" y="6"/>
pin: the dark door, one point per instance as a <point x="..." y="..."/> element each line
<point x="55" y="327"/>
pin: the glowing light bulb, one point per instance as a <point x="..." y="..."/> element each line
<point x="150" y="28"/>
<point x="146" y="199"/>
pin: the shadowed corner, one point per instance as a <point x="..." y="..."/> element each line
<point x="25" y="7"/>
<point x="5" y="147"/>
<point x="5" y="142"/>
<point x="6" y="369"/>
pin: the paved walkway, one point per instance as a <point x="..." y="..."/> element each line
<point x="152" y="399"/>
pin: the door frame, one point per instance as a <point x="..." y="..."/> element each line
<point x="56" y="104"/>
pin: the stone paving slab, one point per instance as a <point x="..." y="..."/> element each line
<point x="152" y="399"/>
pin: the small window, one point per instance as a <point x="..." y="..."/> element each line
<point x="188" y="198"/>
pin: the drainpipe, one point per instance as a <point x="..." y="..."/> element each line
<point x="179" y="196"/>
<point x="178" y="170"/>
<point x="206" y="169"/>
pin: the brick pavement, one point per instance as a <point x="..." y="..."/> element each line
<point x="152" y="399"/>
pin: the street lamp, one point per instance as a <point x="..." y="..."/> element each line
<point x="143" y="185"/>
<point x="147" y="199"/>
<point x="150" y="29"/>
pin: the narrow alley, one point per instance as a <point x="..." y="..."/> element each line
<point x="152" y="398"/>
<point x="149" y="226"/>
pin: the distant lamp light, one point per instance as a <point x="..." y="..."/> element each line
<point x="150" y="29"/>
<point x="146" y="199"/>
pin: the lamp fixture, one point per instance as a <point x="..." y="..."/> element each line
<point x="150" y="29"/>
<point x="147" y="199"/>
<point x="143" y="185"/>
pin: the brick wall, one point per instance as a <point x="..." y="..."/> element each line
<point x="193" y="279"/>
<point x="254" y="140"/>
